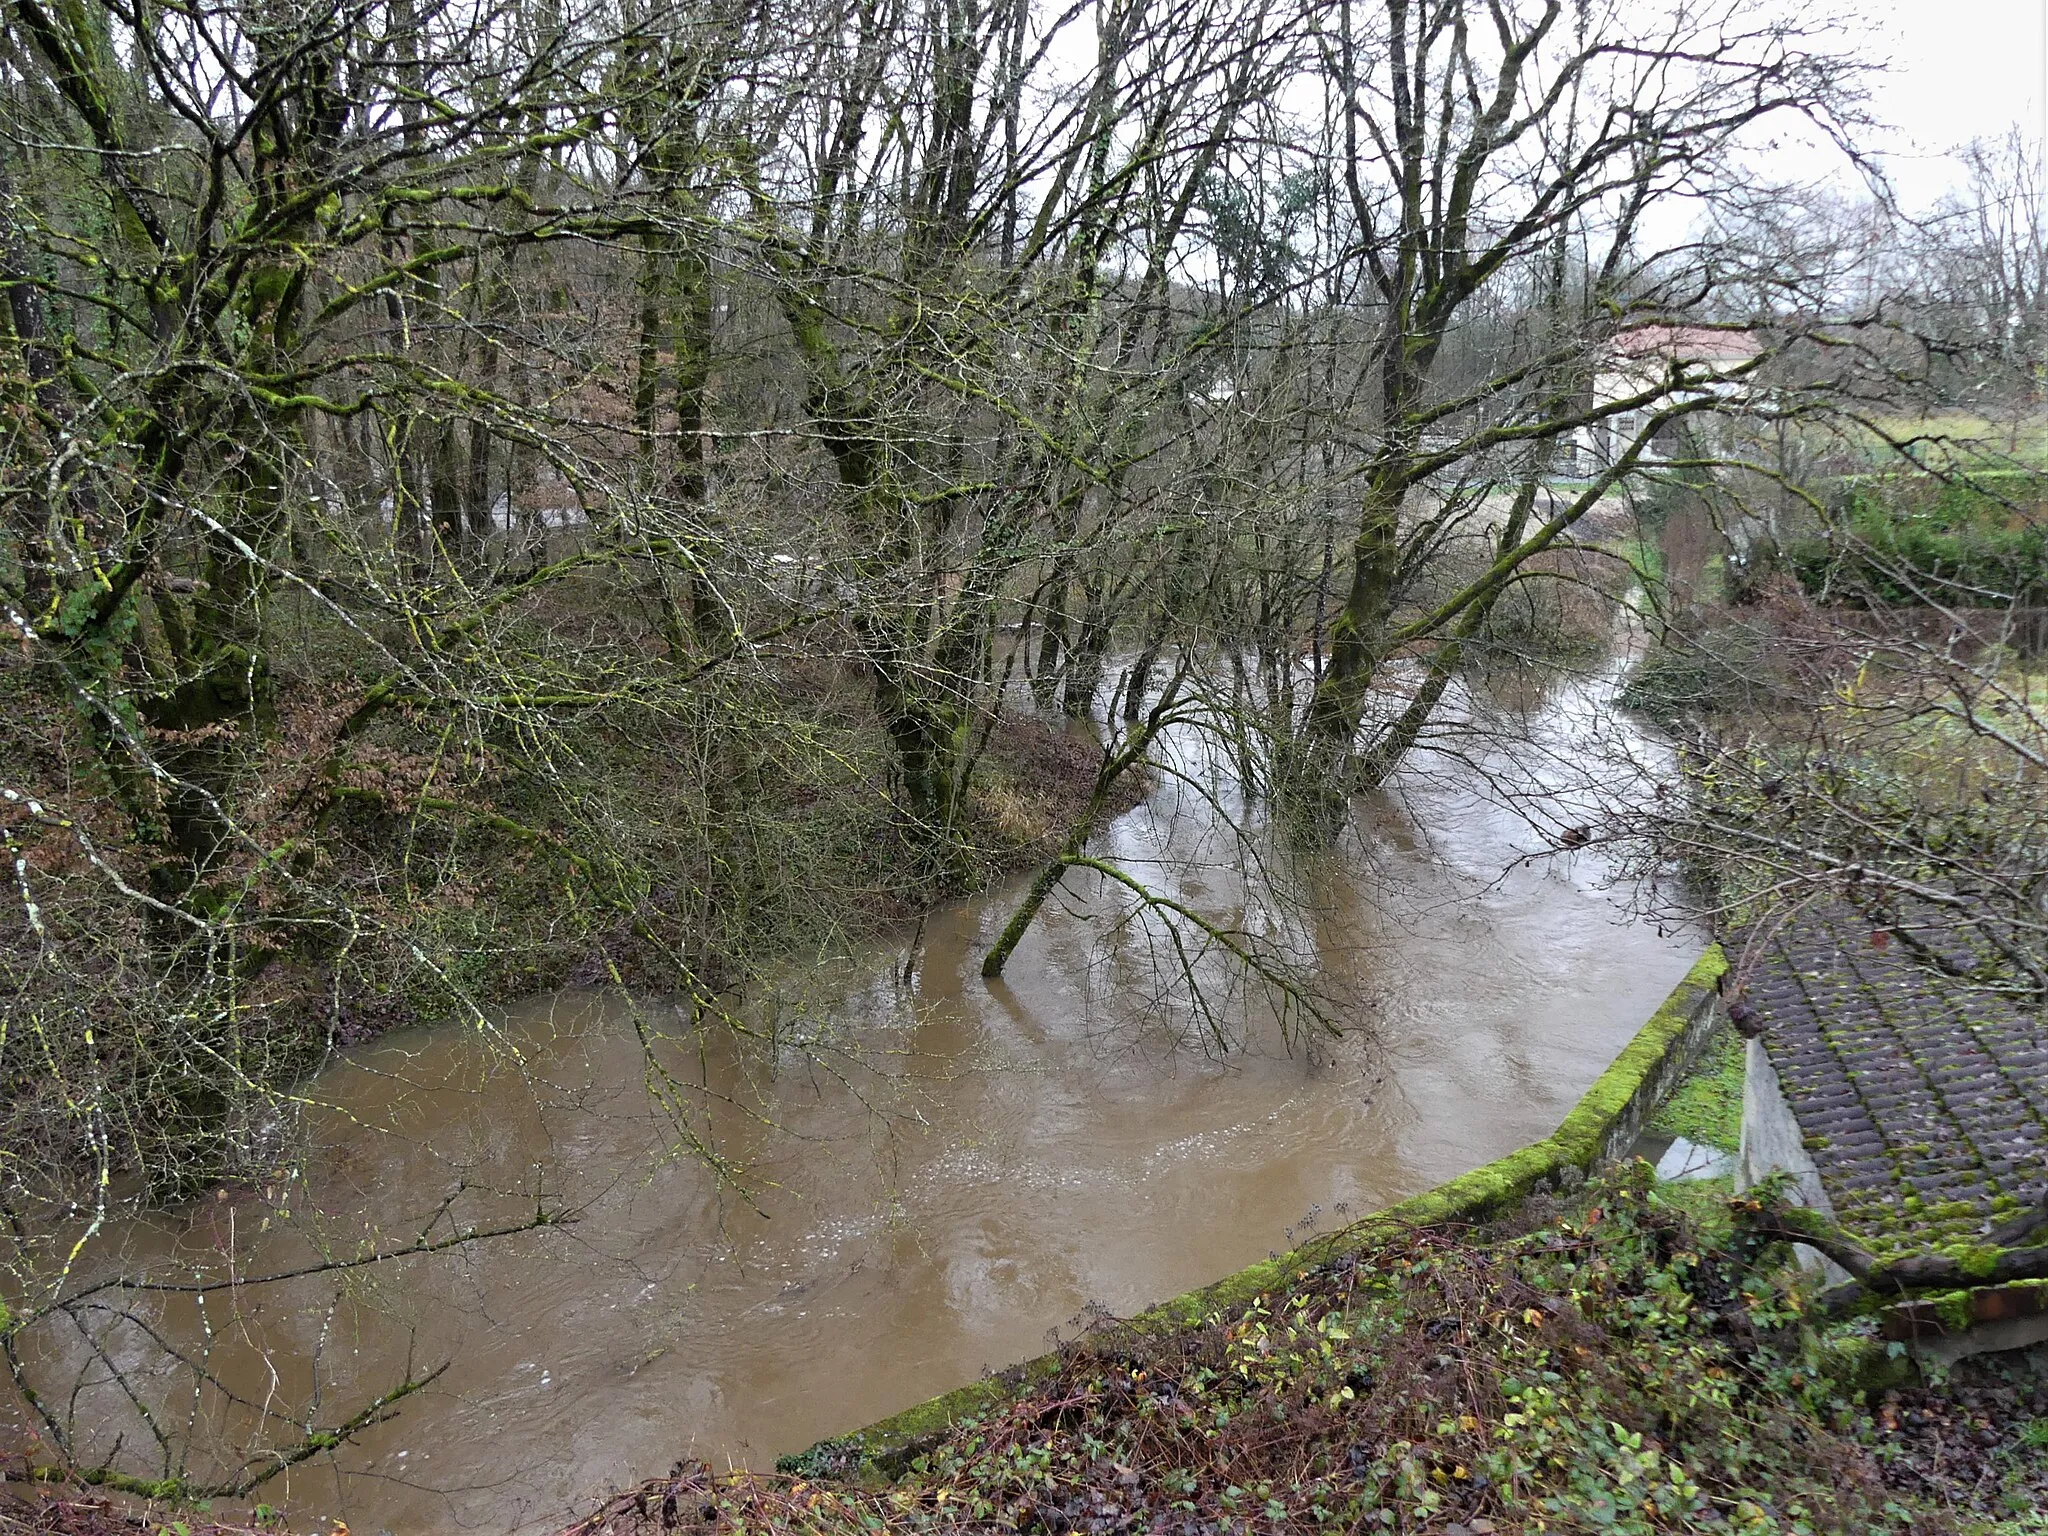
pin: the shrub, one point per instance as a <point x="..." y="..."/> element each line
<point x="1711" y="674"/>
<point x="1962" y="544"/>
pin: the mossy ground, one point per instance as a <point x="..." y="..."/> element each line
<point x="1707" y="1106"/>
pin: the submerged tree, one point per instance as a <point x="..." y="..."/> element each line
<point x="503" y="492"/>
<point x="1482" y="146"/>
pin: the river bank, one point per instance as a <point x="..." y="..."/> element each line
<point x="946" y="1168"/>
<point x="1560" y="1341"/>
<point x="1596" y="1357"/>
<point x="1437" y="1398"/>
<point x="1609" y="1357"/>
<point x="419" y="884"/>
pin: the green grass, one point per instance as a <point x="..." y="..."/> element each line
<point x="1961" y="439"/>
<point x="1707" y="1108"/>
<point x="1645" y="556"/>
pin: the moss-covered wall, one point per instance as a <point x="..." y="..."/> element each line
<point x="1601" y="1128"/>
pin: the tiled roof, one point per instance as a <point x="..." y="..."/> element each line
<point x="1694" y="343"/>
<point x="1923" y="1100"/>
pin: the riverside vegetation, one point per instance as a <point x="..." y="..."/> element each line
<point x="506" y="492"/>
<point x="519" y="492"/>
<point x="1614" y="1357"/>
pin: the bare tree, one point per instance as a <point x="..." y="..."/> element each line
<point x="1471" y="141"/>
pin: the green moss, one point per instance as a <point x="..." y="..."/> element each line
<point x="1801" y="1219"/>
<point x="167" y="1490"/>
<point x="1977" y="1261"/>
<point x="885" y="1446"/>
<point x="1704" y="1203"/>
<point x="1585" y="1129"/>
<point x="1707" y="1107"/>
<point x="1955" y="1311"/>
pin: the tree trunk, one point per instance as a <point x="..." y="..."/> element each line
<point x="1091" y="648"/>
<point x="1318" y="782"/>
<point x="1052" y="643"/>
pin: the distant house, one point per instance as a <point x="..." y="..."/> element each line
<point x="1641" y="358"/>
<point x="1910" y="1108"/>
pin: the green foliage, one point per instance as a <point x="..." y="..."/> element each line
<point x="1963" y="542"/>
<point x="1715" y="673"/>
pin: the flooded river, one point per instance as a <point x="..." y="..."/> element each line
<point x="949" y="1171"/>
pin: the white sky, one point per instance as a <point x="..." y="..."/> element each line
<point x="1959" y="69"/>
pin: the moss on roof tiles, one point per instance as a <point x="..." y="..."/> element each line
<point x="1921" y="1099"/>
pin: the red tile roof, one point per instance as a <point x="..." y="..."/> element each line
<point x="1693" y="342"/>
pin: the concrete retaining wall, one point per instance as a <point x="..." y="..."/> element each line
<point x="1773" y="1143"/>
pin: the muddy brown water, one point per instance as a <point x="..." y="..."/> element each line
<point x="951" y="1169"/>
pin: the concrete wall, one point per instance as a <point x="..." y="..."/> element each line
<point x="1665" y="1067"/>
<point x="1773" y="1143"/>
